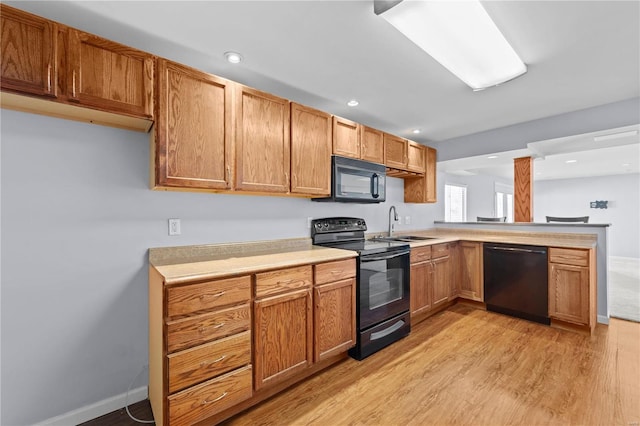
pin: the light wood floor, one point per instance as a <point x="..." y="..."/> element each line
<point x="468" y="366"/>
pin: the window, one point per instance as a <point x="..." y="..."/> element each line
<point x="455" y="203"/>
<point x="504" y="201"/>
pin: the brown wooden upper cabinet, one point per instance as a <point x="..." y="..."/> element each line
<point x="310" y="151"/>
<point x="354" y="140"/>
<point x="415" y="157"/>
<point x="395" y="152"/>
<point x="52" y="62"/>
<point x="261" y="141"/>
<point x="346" y="137"/>
<point x="193" y="128"/>
<point x="371" y="145"/>
<point x="29" y="53"/>
<point x="109" y="76"/>
<point x="422" y="189"/>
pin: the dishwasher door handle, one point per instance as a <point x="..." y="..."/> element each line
<point x="517" y="250"/>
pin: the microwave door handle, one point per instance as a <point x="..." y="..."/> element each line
<point x="375" y="185"/>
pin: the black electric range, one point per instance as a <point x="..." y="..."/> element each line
<point x="382" y="275"/>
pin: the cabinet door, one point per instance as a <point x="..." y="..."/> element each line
<point x="28" y="46"/>
<point x="415" y="157"/>
<point x="569" y="293"/>
<point x="471" y="280"/>
<point x="310" y="151"/>
<point x="441" y="280"/>
<point x="421" y="283"/>
<point x="371" y="145"/>
<point x="261" y="141"/>
<point x="193" y="122"/>
<point x="334" y="318"/>
<point x="395" y="152"/>
<point x="346" y="137"/>
<point x="283" y="337"/>
<point x="430" y="175"/>
<point x="109" y="76"/>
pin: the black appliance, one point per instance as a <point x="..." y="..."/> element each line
<point x="382" y="292"/>
<point x="516" y="281"/>
<point x="356" y="181"/>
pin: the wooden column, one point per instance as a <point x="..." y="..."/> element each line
<point x="523" y="189"/>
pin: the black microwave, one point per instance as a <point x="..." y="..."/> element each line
<point x="356" y="181"/>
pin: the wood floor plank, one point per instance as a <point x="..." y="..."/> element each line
<point x="469" y="366"/>
<point x="466" y="366"/>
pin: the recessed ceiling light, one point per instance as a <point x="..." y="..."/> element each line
<point x="415" y="131"/>
<point x="491" y="157"/>
<point x="233" y="57"/>
<point x="571" y="161"/>
<point x="353" y="103"/>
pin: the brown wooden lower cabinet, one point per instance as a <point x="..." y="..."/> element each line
<point x="572" y="286"/>
<point x="283" y="337"/>
<point x="431" y="279"/>
<point x="471" y="279"/>
<point x="212" y="355"/>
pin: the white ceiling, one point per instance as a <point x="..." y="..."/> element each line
<point x="579" y="54"/>
<point x="586" y="155"/>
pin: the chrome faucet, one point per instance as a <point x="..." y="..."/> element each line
<point x="391" y="221"/>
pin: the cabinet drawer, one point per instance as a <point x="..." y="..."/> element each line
<point x="188" y="332"/>
<point x="268" y="283"/>
<point x="204" y="400"/>
<point x="420" y="254"/>
<point x="203" y="362"/>
<point x="335" y="271"/>
<point x="197" y="297"/>
<point x="439" y="250"/>
<point x="565" y="256"/>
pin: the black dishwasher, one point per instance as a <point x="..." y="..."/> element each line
<point x="516" y="281"/>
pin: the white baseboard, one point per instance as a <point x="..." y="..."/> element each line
<point x="97" y="409"/>
<point x="603" y="319"/>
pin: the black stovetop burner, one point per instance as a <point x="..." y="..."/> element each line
<point x="348" y="233"/>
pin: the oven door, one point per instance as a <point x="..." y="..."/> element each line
<point x="383" y="286"/>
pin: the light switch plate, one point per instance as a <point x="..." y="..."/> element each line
<point x="407" y="220"/>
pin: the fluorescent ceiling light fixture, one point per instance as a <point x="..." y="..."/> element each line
<point x="458" y="34"/>
<point x="233" y="57"/>
<point x="615" y="136"/>
<point x="353" y="103"/>
<point x="571" y="161"/>
<point x="415" y="131"/>
<point x="491" y="157"/>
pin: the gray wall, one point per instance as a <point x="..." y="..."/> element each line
<point x="77" y="220"/>
<point x="571" y="197"/>
<point x="617" y="114"/>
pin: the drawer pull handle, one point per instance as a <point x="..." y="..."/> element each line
<point x="215" y="361"/>
<point x="219" y="325"/>
<point x="205" y="402"/>
<point x="203" y="296"/>
<point x="202" y="330"/>
<point x="336" y="272"/>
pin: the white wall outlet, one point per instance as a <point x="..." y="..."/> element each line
<point x="174" y="227"/>
<point x="309" y="219"/>
<point x="399" y="220"/>
<point x="407" y="220"/>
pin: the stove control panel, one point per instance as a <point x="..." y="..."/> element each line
<point x="337" y="224"/>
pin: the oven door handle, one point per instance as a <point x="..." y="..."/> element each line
<point x="387" y="331"/>
<point x="372" y="258"/>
